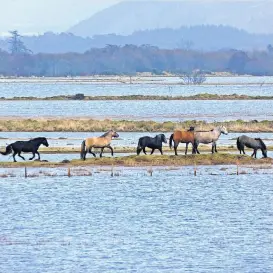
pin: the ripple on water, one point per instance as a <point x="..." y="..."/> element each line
<point x="135" y="223"/>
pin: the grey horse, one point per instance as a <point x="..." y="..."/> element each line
<point x="254" y="143"/>
<point x="207" y="137"/>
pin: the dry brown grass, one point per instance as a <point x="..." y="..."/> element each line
<point x="90" y="125"/>
<point x="144" y="161"/>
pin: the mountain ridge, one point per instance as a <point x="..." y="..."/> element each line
<point x="127" y="17"/>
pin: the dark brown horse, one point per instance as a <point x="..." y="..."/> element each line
<point x="180" y="136"/>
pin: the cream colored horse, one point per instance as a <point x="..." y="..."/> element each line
<point x="209" y="137"/>
<point x="98" y="142"/>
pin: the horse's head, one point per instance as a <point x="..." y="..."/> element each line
<point x="163" y="138"/>
<point x="263" y="147"/>
<point x="224" y="130"/>
<point x="264" y="152"/>
<point x="114" y="134"/>
<point x="44" y="142"/>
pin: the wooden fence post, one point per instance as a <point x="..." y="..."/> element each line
<point x="195" y="169"/>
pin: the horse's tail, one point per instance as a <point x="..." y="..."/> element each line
<point x="238" y="144"/>
<point x="83" y="150"/>
<point x="8" y="150"/>
<point x="171" y="141"/>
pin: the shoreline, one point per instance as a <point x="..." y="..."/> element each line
<point x="82" y="97"/>
<point x="149" y="161"/>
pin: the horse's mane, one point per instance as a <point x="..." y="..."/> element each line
<point x="204" y="131"/>
<point x="37" y="138"/>
<point x="262" y="143"/>
<point x="105" y="134"/>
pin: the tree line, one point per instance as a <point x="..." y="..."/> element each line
<point x="131" y="59"/>
<point x="204" y="37"/>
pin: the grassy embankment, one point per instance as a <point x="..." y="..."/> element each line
<point x="144" y="161"/>
<point x="204" y="96"/>
<point x="90" y="125"/>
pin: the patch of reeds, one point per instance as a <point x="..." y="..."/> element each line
<point x="91" y="125"/>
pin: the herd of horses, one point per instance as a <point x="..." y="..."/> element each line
<point x="154" y="143"/>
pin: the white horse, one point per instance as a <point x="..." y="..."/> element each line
<point x="207" y="137"/>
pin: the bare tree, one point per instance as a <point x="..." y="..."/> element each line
<point x="16" y="44"/>
<point x="194" y="77"/>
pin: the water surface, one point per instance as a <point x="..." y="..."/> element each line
<point x="137" y="223"/>
<point x="142" y="110"/>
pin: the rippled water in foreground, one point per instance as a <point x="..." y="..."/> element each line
<point x="170" y="222"/>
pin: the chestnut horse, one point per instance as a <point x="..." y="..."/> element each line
<point x="98" y="142"/>
<point x="180" y="136"/>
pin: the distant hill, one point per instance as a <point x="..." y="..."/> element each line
<point x="205" y="38"/>
<point x="127" y="17"/>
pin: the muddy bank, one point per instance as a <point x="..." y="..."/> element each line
<point x="204" y="96"/>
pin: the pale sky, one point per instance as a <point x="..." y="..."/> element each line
<point x="37" y="16"/>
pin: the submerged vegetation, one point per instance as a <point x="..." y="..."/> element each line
<point x="91" y="125"/>
<point x="203" y="96"/>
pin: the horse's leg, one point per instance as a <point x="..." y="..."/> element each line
<point x="152" y="151"/>
<point x="215" y="148"/>
<point x="196" y="147"/>
<point x="186" y="151"/>
<point x="112" y="151"/>
<point x="90" y="151"/>
<point x="33" y="156"/>
<point x="144" y="151"/>
<point x="253" y="153"/>
<point x="19" y="154"/>
<point x="39" y="158"/>
<point x="175" y="147"/>
<point x="14" y="154"/>
<point x="243" y="149"/>
<point x="160" y="150"/>
<point x="101" y="151"/>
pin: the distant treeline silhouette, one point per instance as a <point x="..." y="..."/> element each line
<point x="204" y="37"/>
<point x="131" y="59"/>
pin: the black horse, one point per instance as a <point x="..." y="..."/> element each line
<point x="30" y="146"/>
<point x="254" y="143"/>
<point x="152" y="143"/>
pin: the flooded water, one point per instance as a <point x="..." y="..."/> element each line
<point x="171" y="222"/>
<point x="253" y="86"/>
<point x="141" y="110"/>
